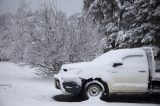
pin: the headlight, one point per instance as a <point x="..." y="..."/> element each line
<point x="57" y="84"/>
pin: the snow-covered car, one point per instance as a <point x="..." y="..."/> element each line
<point x="117" y="71"/>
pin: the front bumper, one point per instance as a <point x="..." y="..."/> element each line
<point x="71" y="87"/>
<point x="68" y="84"/>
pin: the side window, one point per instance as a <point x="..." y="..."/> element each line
<point x="133" y="60"/>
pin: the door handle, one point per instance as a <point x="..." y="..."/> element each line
<point x="142" y="71"/>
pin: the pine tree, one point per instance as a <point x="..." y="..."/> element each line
<point x="126" y="23"/>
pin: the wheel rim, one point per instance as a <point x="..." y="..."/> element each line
<point x="94" y="90"/>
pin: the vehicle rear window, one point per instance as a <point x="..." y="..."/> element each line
<point x="132" y="56"/>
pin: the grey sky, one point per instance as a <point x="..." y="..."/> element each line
<point x="68" y="6"/>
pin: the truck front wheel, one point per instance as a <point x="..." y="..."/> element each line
<point x="94" y="89"/>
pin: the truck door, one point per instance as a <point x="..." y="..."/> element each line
<point x="132" y="76"/>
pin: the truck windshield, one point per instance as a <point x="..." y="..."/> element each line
<point x="117" y="55"/>
<point x="111" y="56"/>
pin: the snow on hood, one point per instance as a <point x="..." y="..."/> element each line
<point x="80" y="70"/>
<point x="75" y="65"/>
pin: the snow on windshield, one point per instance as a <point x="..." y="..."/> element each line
<point x="117" y="55"/>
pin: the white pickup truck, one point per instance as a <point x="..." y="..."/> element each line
<point x="124" y="71"/>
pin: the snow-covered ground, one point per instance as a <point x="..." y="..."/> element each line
<point x="19" y="86"/>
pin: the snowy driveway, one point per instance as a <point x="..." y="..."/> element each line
<point x="19" y="86"/>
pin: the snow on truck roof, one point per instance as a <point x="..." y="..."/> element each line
<point x="119" y="53"/>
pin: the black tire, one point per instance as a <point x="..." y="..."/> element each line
<point x="94" y="89"/>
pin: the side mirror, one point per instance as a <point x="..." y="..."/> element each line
<point x="117" y="64"/>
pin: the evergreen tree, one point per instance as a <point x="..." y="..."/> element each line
<point x="126" y="23"/>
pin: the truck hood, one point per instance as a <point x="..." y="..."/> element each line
<point x="73" y="66"/>
<point x="83" y="70"/>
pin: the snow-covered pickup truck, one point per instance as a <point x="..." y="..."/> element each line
<point x="126" y="71"/>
